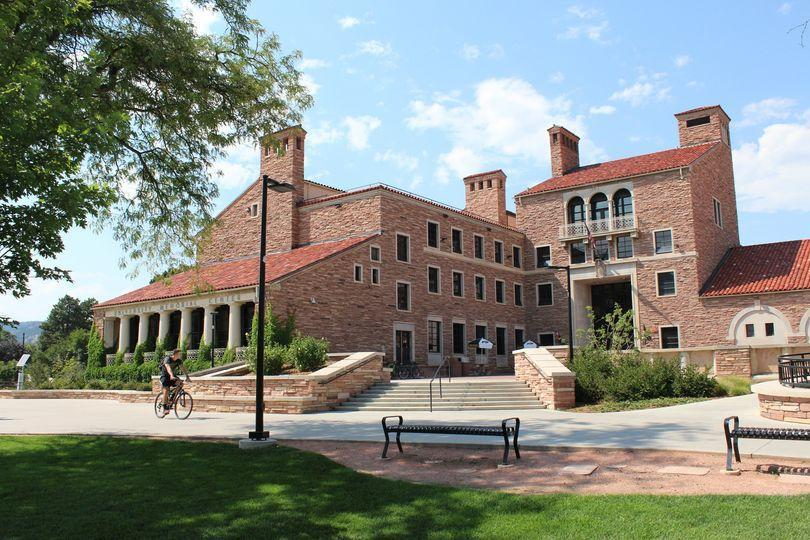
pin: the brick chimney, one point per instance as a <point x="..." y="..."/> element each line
<point x="702" y="125"/>
<point x="486" y="195"/>
<point x="564" y="150"/>
<point x="284" y="163"/>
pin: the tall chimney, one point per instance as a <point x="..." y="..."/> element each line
<point x="702" y="125"/>
<point x="486" y="195"/>
<point x="284" y="163"/>
<point x="564" y="150"/>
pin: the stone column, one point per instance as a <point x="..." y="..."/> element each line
<point x="234" y="325"/>
<point x="163" y="325"/>
<point x="108" y="329"/>
<point x="143" y="327"/>
<point x="185" y="325"/>
<point x="123" y="333"/>
<point x="208" y="335"/>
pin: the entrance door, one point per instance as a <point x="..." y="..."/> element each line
<point x="605" y="297"/>
<point x="403" y="346"/>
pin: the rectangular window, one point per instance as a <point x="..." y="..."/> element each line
<point x="478" y="247"/>
<point x="518" y="294"/>
<point x="624" y="247"/>
<point x="601" y="249"/>
<point x="480" y="288"/>
<point x="403" y="248"/>
<point x="375" y="276"/>
<point x="517" y="259"/>
<point x="542" y="256"/>
<point x="435" y="337"/>
<point x="769" y="329"/>
<point x="520" y="338"/>
<point x="544" y="294"/>
<point x="358" y="273"/>
<point x="432" y="234"/>
<point x="577" y="253"/>
<point x="459" y="338"/>
<point x="403" y="296"/>
<point x="458" y="284"/>
<point x="458" y="241"/>
<point x="545" y="339"/>
<point x="253" y="210"/>
<point x="749" y="330"/>
<point x="718" y="213"/>
<point x="699" y="121"/>
<point x="433" y="280"/>
<point x="669" y="337"/>
<point x="498" y="252"/>
<point x="666" y="283"/>
<point x="500" y="341"/>
<point x="663" y="241"/>
<point x="480" y="332"/>
<point x="374" y="253"/>
<point x="500" y="291"/>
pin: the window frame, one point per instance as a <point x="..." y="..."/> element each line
<point x="481" y="355"/>
<point x="661" y="335"/>
<point x="632" y="247"/>
<point x="517" y="256"/>
<point x="375" y="270"/>
<point x="440" y="322"/>
<point x="453" y="283"/>
<point x="354" y="274"/>
<point x="519" y="344"/>
<point x="483" y="297"/>
<point x="430" y="222"/>
<point x="482" y="245"/>
<point x="253" y="210"/>
<point x="772" y="331"/>
<point x="753" y="330"/>
<point x="537" y="259"/>
<point x="410" y="295"/>
<point x="671" y="241"/>
<point x="405" y="235"/>
<point x="516" y="295"/>
<point x="438" y="279"/>
<point x="453" y="231"/>
<point x="540" y="339"/>
<point x="503" y="291"/>
<point x="463" y="325"/>
<point x="505" y="329"/>
<point x="495" y="257"/>
<point x="717" y="206"/>
<point x="658" y="283"/>
<point x="371" y="249"/>
<point x="606" y="242"/>
<point x="551" y="291"/>
<point x="571" y="254"/>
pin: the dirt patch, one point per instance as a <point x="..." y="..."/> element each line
<point x="539" y="471"/>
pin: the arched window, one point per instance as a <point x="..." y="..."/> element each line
<point x="622" y="203"/>
<point x="576" y="210"/>
<point x="599" y="207"/>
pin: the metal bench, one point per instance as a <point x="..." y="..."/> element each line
<point x="504" y="430"/>
<point x="733" y="431"/>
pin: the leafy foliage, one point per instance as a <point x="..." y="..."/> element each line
<point x="67" y="315"/>
<point x="160" y="350"/>
<point x="114" y="112"/>
<point x="10" y="348"/>
<point x="204" y="353"/>
<point x="284" y="346"/>
<point x="95" y="350"/>
<point x="308" y="353"/>
<point x="137" y="356"/>
<point x="228" y="356"/>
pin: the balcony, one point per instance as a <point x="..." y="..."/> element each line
<point x="600" y="227"/>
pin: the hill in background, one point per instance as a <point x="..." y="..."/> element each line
<point x="29" y="328"/>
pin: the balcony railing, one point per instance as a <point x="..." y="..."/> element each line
<point x="617" y="224"/>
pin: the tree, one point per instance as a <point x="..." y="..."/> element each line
<point x="10" y="348"/>
<point x="114" y="113"/>
<point x="95" y="350"/>
<point x="66" y="315"/>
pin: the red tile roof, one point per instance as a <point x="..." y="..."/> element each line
<point x="236" y="274"/>
<point x="698" y="109"/>
<point x="764" y="268"/>
<point x="623" y="168"/>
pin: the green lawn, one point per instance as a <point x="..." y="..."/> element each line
<point x="56" y="487"/>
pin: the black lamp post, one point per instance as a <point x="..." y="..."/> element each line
<point x="279" y="187"/>
<point x="570" y="311"/>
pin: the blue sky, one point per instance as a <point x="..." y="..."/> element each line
<point x="419" y="95"/>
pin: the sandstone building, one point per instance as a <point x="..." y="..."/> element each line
<point x="378" y="268"/>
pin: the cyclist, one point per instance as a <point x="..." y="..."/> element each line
<point x="168" y="375"/>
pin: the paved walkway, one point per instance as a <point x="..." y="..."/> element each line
<point x="693" y="427"/>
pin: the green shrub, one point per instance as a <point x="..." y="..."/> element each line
<point x="694" y="382"/>
<point x="96" y="357"/>
<point x="275" y="358"/>
<point x="284" y="331"/>
<point x="137" y="356"/>
<point x="8" y="371"/>
<point x="204" y="353"/>
<point x="160" y="350"/>
<point x="308" y="353"/>
<point x="735" y="385"/>
<point x="593" y="368"/>
<point x="119" y="358"/>
<point x="228" y="357"/>
<point x="635" y="378"/>
<point x="269" y="335"/>
<point x="183" y="350"/>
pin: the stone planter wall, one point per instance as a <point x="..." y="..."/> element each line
<point x="124" y="396"/>
<point x="548" y="378"/>
<point x="783" y="403"/>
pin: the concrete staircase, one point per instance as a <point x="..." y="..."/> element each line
<point x="467" y="393"/>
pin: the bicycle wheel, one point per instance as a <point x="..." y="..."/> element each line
<point x="183" y="405"/>
<point x="159" y="405"/>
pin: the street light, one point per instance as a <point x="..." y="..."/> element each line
<point x="259" y="434"/>
<point x="570" y="311"/>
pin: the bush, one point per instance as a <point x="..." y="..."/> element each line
<point x="204" y="354"/>
<point x="275" y="358"/>
<point x="160" y="350"/>
<point x="119" y="358"/>
<point x="592" y="368"/>
<point x="8" y="371"/>
<point x="183" y="350"/>
<point x="228" y="356"/>
<point x="96" y="357"/>
<point x="137" y="356"/>
<point x="308" y="353"/>
<point x="694" y="382"/>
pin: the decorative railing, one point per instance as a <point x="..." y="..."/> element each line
<point x="794" y="370"/>
<point x="598" y="227"/>
<point x="190" y="354"/>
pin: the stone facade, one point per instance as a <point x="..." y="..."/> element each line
<point x="548" y="378"/>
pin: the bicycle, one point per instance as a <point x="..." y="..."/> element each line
<point x="408" y="370"/>
<point x="179" y="400"/>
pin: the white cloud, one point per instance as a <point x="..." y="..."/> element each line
<point x="309" y="83"/>
<point x="358" y="130"/>
<point x="312" y="63"/>
<point x="646" y="88"/>
<point x="348" y="22"/>
<point x="772" y="173"/>
<point x="557" y="77"/>
<point x="603" y="109"/>
<point x="584" y="13"/>
<point x="374" y="48"/>
<point x="469" y="52"/>
<point x="326" y="133"/>
<point x="401" y="159"/>
<point x="506" y="121"/>
<point x="496" y="51"/>
<point x="682" y="60"/>
<point x="767" y="110"/>
<point x="785" y="8"/>
<point x="591" y="24"/>
<point x="203" y="18"/>
<point x="238" y="168"/>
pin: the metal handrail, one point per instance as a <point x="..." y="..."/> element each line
<point x="445" y="360"/>
<point x="794" y="370"/>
